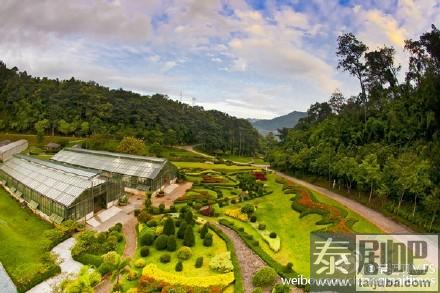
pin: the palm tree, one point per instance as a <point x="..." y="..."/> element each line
<point x="119" y="267"/>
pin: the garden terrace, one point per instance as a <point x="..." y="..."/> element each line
<point x="143" y="173"/>
<point x="54" y="190"/>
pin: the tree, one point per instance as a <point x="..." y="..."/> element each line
<point x="432" y="204"/>
<point x="168" y="227"/>
<point x="41" y="126"/>
<point x="189" y="239"/>
<point x="65" y="127"/>
<point x="336" y="102"/>
<point x="351" y="52"/>
<point x="370" y="172"/>
<point x="131" y="145"/>
<point x="204" y="230"/>
<point x="118" y="264"/>
<point x="182" y="229"/>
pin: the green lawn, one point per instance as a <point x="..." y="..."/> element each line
<point x="244" y="159"/>
<point x="22" y="240"/>
<point x="275" y="211"/>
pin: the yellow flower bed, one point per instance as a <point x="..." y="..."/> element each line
<point x="223" y="280"/>
<point x="237" y="214"/>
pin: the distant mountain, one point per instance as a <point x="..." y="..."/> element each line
<point x="264" y="126"/>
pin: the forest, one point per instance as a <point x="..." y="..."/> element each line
<point x="72" y="107"/>
<point x="384" y="142"/>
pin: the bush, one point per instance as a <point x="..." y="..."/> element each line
<point x="221" y="263"/>
<point x="152" y="223"/>
<point x="171" y="243"/>
<point x="105" y="268"/>
<point x="147" y="238"/>
<point x="204" y="231"/>
<point x="280" y="288"/>
<point x="199" y="262"/>
<point x="165" y="258"/>
<point x="289" y="267"/>
<point x="161" y="242"/>
<point x="117" y="227"/>
<point x="119" y="236"/>
<point x="273" y="235"/>
<point x="145" y="251"/>
<point x="132" y="275"/>
<point x="89" y="259"/>
<point x="188" y="239"/>
<point x="184" y="253"/>
<point x="264" y="277"/>
<point x="257" y="290"/>
<point x="161" y="208"/>
<point x="168" y="227"/>
<point x="207" y="241"/>
<point x="261" y="227"/>
<point x="179" y="266"/>
<point x="181" y="231"/>
<point x="139" y="263"/>
<point x="253" y="219"/>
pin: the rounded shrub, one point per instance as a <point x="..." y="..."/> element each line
<point x="132" y="275"/>
<point x="147" y="238"/>
<point x="261" y="227"/>
<point x="161" y="208"/>
<point x="145" y="251"/>
<point x="289" y="267"/>
<point x="165" y="258"/>
<point x="152" y="223"/>
<point x="207" y="241"/>
<point x="253" y="219"/>
<point x="280" y="288"/>
<point x="257" y="290"/>
<point x="105" y="268"/>
<point x="139" y="263"/>
<point x="161" y="242"/>
<point x="171" y="243"/>
<point x="184" y="253"/>
<point x="179" y="266"/>
<point x="264" y="277"/>
<point x="199" y="262"/>
<point x="273" y="235"/>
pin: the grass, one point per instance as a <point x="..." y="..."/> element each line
<point x="274" y="210"/>
<point x="22" y="240"/>
<point x="244" y="159"/>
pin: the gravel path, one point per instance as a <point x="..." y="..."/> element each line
<point x="385" y="224"/>
<point x="249" y="261"/>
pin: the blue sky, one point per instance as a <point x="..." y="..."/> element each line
<point x="248" y="58"/>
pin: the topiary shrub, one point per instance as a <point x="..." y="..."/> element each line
<point x="289" y="267"/>
<point x="273" y="235"/>
<point x="204" y="231"/>
<point x="264" y="277"/>
<point x="139" y="263"/>
<point x="105" y="268"/>
<point x="132" y="275"/>
<point x="188" y="239"/>
<point x="179" y="266"/>
<point x="171" y="243"/>
<point x="152" y="223"/>
<point x="257" y="290"/>
<point x="181" y="231"/>
<point x="145" y="251"/>
<point x="184" y="253"/>
<point x="165" y="258"/>
<point x="280" y="288"/>
<point x="168" y="227"/>
<point x="199" y="262"/>
<point x="221" y="263"/>
<point x="147" y="238"/>
<point x="207" y="241"/>
<point x="261" y="227"/>
<point x="161" y="242"/>
<point x="253" y="219"/>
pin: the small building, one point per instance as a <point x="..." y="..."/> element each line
<point x="136" y="172"/>
<point x="52" y="147"/>
<point x="4" y="142"/>
<point x="56" y="191"/>
<point x="9" y="150"/>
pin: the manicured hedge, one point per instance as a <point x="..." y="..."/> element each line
<point x="238" y="286"/>
<point x="88" y="259"/>
<point x="29" y="284"/>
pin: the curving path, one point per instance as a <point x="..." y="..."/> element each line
<point x="384" y="223"/>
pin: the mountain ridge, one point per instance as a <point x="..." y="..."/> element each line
<point x="264" y="126"/>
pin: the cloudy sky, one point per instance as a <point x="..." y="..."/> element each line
<point x="248" y="58"/>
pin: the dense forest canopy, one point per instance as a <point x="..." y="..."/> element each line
<point x="73" y="107"/>
<point x="386" y="140"/>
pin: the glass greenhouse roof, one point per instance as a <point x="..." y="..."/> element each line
<point x="60" y="183"/>
<point x="139" y="166"/>
<point x="12" y="145"/>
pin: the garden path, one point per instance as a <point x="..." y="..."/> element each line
<point x="171" y="195"/>
<point x="68" y="267"/>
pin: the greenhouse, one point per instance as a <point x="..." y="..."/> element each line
<point x="138" y="172"/>
<point x="9" y="149"/>
<point x="56" y="191"/>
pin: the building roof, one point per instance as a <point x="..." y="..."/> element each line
<point x="139" y="166"/>
<point x="12" y="145"/>
<point x="58" y="182"/>
<point x="53" y="145"/>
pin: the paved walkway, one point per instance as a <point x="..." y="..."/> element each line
<point x="6" y="284"/>
<point x="385" y="224"/>
<point x="68" y="267"/>
<point x="174" y="192"/>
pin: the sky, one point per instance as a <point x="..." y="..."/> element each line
<point x="251" y="59"/>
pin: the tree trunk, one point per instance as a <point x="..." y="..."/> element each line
<point x="432" y="221"/>
<point x="415" y="205"/>
<point x="371" y="192"/>
<point x="400" y="201"/>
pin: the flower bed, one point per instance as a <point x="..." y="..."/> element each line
<point x="221" y="281"/>
<point x="274" y="243"/>
<point x="237" y="214"/>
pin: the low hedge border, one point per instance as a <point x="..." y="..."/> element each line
<point x="238" y="285"/>
<point x="50" y="272"/>
<point x="279" y="268"/>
